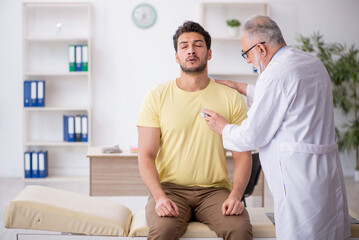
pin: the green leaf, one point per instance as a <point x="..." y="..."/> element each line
<point x="233" y="22"/>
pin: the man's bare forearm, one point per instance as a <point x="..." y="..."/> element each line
<point x="150" y="177"/>
<point x="242" y="172"/>
<point x="148" y="145"/>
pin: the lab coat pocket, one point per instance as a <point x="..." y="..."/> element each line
<point x="295" y="171"/>
<point x="305" y="170"/>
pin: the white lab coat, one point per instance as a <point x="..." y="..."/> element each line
<point x="291" y="122"/>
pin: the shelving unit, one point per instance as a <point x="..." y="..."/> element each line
<point x="59" y="74"/>
<point x="227" y="62"/>
<point x="48" y="29"/>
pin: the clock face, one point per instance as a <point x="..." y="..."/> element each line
<point x="144" y="15"/>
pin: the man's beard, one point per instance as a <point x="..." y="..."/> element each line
<point x="198" y="69"/>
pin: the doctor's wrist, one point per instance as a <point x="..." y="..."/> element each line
<point x="242" y="88"/>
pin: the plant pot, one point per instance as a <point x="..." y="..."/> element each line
<point x="233" y="31"/>
<point x="356" y="175"/>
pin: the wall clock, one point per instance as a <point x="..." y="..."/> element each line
<point x="144" y="15"/>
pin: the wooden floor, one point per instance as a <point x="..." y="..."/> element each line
<point x="10" y="187"/>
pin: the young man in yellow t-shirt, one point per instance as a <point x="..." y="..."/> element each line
<point x="181" y="160"/>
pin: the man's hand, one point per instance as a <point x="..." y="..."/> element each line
<point x="165" y="207"/>
<point x="215" y="121"/>
<point x="240" y="87"/>
<point x="232" y="206"/>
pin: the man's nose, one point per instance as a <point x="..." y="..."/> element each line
<point x="191" y="51"/>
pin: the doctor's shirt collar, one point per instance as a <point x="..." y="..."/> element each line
<point x="279" y="50"/>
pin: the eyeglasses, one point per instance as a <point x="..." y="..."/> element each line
<point x="244" y="55"/>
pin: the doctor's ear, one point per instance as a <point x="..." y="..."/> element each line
<point x="262" y="49"/>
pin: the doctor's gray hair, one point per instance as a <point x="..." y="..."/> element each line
<point x="262" y="28"/>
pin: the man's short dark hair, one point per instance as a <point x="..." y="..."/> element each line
<point x="190" y="26"/>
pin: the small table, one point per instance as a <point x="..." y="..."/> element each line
<point x="115" y="174"/>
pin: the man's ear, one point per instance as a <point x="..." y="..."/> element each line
<point x="209" y="54"/>
<point x="177" y="60"/>
<point x="263" y="49"/>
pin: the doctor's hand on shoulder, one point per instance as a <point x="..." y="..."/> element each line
<point x="240" y="87"/>
<point x="215" y="121"/>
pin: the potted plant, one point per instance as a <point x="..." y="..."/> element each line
<point x="342" y="64"/>
<point x="233" y="25"/>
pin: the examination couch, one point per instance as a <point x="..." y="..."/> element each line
<point x="72" y="216"/>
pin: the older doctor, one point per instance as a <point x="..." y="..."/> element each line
<point x="291" y="122"/>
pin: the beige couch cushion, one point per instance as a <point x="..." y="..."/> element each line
<point x="261" y="225"/>
<point x="44" y="208"/>
<point x="195" y="229"/>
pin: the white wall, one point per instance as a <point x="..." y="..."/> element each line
<point x="128" y="61"/>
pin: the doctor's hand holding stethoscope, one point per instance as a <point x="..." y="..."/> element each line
<point x="215" y="121"/>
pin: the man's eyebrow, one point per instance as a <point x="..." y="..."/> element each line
<point x="199" y="40"/>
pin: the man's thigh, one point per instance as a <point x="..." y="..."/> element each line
<point x="168" y="227"/>
<point x="209" y="211"/>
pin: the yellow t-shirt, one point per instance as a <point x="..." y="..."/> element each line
<point x="190" y="153"/>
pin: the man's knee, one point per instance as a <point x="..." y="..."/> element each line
<point x="235" y="227"/>
<point x="243" y="232"/>
<point x="166" y="230"/>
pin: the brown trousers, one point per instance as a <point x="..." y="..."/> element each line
<point x="200" y="204"/>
